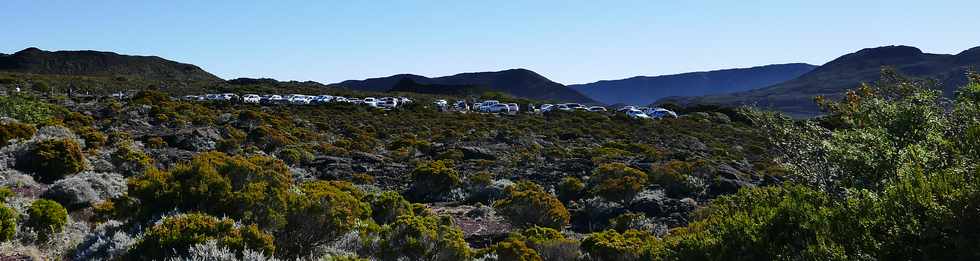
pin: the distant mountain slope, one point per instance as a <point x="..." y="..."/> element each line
<point x="795" y="97"/>
<point x="408" y="85"/>
<point x="93" y="63"/>
<point x="517" y="82"/>
<point x="646" y="89"/>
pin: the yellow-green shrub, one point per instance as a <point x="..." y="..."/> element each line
<point x="323" y="211"/>
<point x="55" y="159"/>
<point x="419" y="237"/>
<point x="513" y="249"/>
<point x="15" y="130"/>
<point x="617" y="181"/>
<point x="673" y="177"/>
<point x="388" y="206"/>
<point x="527" y="204"/>
<point x="611" y="245"/>
<point x="431" y="180"/>
<point x="251" y="189"/>
<point x="8" y="223"/>
<point x="47" y="217"/>
<point x="176" y="234"/>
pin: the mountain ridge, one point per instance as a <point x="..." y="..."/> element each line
<point x="648" y="89"/>
<point x="795" y="97"/>
<point x="518" y="82"/>
<point x="100" y="63"/>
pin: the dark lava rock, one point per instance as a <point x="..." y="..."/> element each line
<point x="85" y="189"/>
<point x="196" y="139"/>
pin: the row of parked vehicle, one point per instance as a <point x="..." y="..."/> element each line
<point x="647" y="113"/>
<point x="300" y="99"/>
<point x="494" y="106"/>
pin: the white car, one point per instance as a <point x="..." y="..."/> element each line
<point x="299" y="99"/>
<point x="486" y="106"/>
<point x="597" y="109"/>
<point x="637" y="114"/>
<point x="191" y="98"/>
<point x="497" y="108"/>
<point x="340" y="99"/>
<point x="546" y="107"/>
<point x="251" y="98"/>
<point x="228" y="97"/>
<point x="404" y="100"/>
<point x="321" y="99"/>
<point x="513" y="108"/>
<point x="387" y="103"/>
<point x="370" y="101"/>
<point x="659" y="113"/>
<point x="441" y="103"/>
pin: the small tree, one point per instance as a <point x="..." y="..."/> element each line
<point x="618" y="182"/>
<point x="527" y="204"/>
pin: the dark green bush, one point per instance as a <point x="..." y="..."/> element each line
<point x="94" y="139"/>
<point x="617" y="182"/>
<point x="433" y="180"/>
<point x="527" y="204"/>
<point x="173" y="237"/>
<point x="54" y="159"/>
<point x="571" y="188"/>
<point x="46" y="217"/>
<point x="14" y="130"/>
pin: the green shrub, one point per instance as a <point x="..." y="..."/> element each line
<point x="362" y="179"/>
<point x="673" y="177"/>
<point x="433" y="180"/>
<point x="47" y="217"/>
<point x="129" y="159"/>
<point x="55" y="159"/>
<point x="515" y="250"/>
<point x="8" y="223"/>
<point x="420" y="237"/>
<point x="251" y="189"/>
<point x="527" y="204"/>
<point x="295" y="156"/>
<point x="611" y="245"/>
<point x="388" y="206"/>
<point x="5" y="193"/>
<point x="570" y="189"/>
<point x="14" y="130"/>
<point x="174" y="235"/>
<point x="156" y="143"/>
<point x="94" y="139"/>
<point x="28" y="110"/>
<point x="617" y="182"/>
<point x="323" y="211"/>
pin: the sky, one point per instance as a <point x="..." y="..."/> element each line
<point x="567" y="41"/>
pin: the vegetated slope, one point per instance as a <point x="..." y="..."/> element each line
<point x="94" y="63"/>
<point x="517" y="82"/>
<point x="647" y="89"/>
<point x="408" y="85"/>
<point x="795" y="97"/>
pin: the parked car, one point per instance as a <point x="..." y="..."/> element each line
<point x="271" y="99"/>
<point x="497" y="108"/>
<point x="404" y="100"/>
<point x="659" y="113"/>
<point x="387" y="103"/>
<point x="191" y="98"/>
<point x="626" y="108"/>
<point x="341" y="99"/>
<point x="546" y="107"/>
<point x="461" y="106"/>
<point x="513" y="108"/>
<point x="251" y="98"/>
<point x="597" y="109"/>
<point x="486" y="106"/>
<point x="370" y="101"/>
<point x="637" y="114"/>
<point x="355" y="101"/>
<point x="299" y="99"/>
<point x="322" y="99"/>
<point x="441" y="103"/>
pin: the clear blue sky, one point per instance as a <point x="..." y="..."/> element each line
<point x="567" y="41"/>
